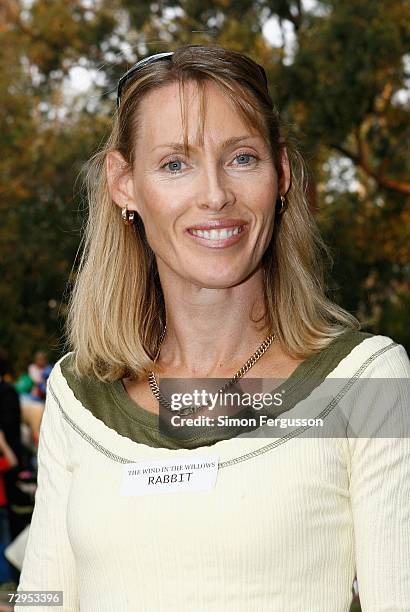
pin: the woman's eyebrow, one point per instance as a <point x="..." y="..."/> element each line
<point x="179" y="146"/>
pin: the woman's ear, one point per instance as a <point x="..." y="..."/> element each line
<point x="120" y="183"/>
<point x="284" y="172"/>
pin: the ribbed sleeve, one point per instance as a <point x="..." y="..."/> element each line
<point x="380" y="488"/>
<point x="49" y="561"/>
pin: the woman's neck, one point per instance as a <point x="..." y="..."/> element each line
<point x="210" y="330"/>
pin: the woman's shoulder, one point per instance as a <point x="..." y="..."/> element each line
<point x="63" y="370"/>
<point x="86" y="402"/>
<point x="367" y="354"/>
<point x="89" y="391"/>
<point x="376" y="390"/>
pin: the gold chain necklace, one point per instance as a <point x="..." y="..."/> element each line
<point x="191" y="409"/>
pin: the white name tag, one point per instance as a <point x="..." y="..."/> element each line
<point x="169" y="475"/>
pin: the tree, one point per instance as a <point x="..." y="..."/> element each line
<point x="44" y="145"/>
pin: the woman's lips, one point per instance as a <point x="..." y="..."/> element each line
<point x="211" y="240"/>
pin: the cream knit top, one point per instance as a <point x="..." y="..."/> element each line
<point x="289" y="522"/>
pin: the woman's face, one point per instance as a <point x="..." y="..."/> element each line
<point x="208" y="215"/>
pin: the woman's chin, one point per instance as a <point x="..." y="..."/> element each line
<point x="215" y="281"/>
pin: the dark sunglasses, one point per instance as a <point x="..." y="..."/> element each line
<point x="151" y="59"/>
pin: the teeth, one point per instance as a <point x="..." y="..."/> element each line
<point x="215" y="234"/>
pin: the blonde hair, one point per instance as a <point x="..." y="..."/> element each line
<point x="117" y="311"/>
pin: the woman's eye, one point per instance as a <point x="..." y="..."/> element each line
<point x="244" y="159"/>
<point x="173" y="166"/>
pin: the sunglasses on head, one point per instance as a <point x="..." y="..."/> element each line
<point x="151" y="59"/>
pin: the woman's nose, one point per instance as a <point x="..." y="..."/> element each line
<point x="214" y="191"/>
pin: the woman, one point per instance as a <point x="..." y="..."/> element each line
<point x="201" y="252"/>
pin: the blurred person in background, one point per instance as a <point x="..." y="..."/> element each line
<point x="8" y="461"/>
<point x="19" y="503"/>
<point x="39" y="371"/>
<point x="31" y="386"/>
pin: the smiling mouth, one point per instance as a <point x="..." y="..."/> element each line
<point x="217" y="234"/>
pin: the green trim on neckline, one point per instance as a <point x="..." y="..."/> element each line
<point x="132" y="421"/>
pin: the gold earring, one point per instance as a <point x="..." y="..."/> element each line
<point x="282" y="204"/>
<point x="127" y="216"/>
